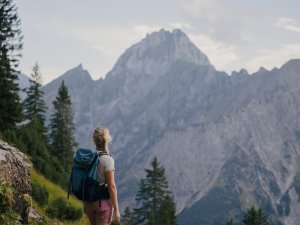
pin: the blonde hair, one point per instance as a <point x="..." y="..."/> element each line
<point x="102" y="138"/>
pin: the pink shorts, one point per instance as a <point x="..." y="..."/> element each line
<point x="97" y="213"/>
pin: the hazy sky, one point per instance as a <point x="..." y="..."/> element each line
<point x="234" y="34"/>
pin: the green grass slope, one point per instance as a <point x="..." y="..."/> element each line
<point x="55" y="191"/>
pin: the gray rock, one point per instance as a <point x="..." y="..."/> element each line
<point x="15" y="168"/>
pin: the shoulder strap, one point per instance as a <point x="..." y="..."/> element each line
<point x="102" y="153"/>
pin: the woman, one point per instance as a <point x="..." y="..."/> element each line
<point x="101" y="214"/>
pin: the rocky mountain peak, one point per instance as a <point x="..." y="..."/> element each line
<point x="77" y="71"/>
<point x="242" y="72"/>
<point x="293" y="64"/>
<point x="156" y="53"/>
<point x="74" y="77"/>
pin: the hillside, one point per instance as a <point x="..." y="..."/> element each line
<point x="20" y="198"/>
<point x="55" y="192"/>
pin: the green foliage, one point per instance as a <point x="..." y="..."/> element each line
<point x="34" y="133"/>
<point x="7" y="215"/>
<point x="30" y="139"/>
<point x="61" y="209"/>
<point x="127" y="218"/>
<point x="167" y="212"/>
<point x="39" y="193"/>
<point x="39" y="221"/>
<point x="10" y="46"/>
<point x="34" y="104"/>
<point x="55" y="192"/>
<point x="230" y="222"/>
<point x="153" y="199"/>
<point x="255" y="217"/>
<point x="6" y="196"/>
<point x="62" y="128"/>
<point x="10" y="218"/>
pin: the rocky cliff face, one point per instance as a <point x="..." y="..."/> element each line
<point x="15" y="168"/>
<point x="226" y="142"/>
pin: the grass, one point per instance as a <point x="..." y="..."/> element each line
<point x="55" y="191"/>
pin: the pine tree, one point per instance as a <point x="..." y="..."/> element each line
<point x="10" y="47"/>
<point x="34" y="103"/>
<point x="127" y="218"/>
<point x="230" y="222"/>
<point x="35" y="108"/>
<point x="62" y="128"/>
<point x="167" y="212"/>
<point x="152" y="197"/>
<point x="255" y="217"/>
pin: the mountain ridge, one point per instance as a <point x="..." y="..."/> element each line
<point x="217" y="133"/>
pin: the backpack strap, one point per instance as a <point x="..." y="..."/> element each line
<point x="99" y="155"/>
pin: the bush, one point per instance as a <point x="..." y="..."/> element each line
<point x="6" y="196"/>
<point x="40" y="194"/>
<point x="9" y="218"/>
<point x="37" y="221"/>
<point x="59" y="208"/>
<point x="7" y="215"/>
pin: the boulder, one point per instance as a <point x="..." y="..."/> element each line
<point x="15" y="167"/>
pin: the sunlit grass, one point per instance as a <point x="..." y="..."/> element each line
<point x="55" y="191"/>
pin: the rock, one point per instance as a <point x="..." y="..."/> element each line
<point x="15" y="168"/>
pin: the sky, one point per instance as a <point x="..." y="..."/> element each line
<point x="234" y="34"/>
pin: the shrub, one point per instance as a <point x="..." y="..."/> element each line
<point x="61" y="209"/>
<point x="39" y="194"/>
<point x="9" y="218"/>
<point x="7" y="215"/>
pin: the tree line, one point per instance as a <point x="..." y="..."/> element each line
<point x="50" y="148"/>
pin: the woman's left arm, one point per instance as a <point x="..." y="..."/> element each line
<point x="112" y="189"/>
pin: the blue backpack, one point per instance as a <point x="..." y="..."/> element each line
<point x="83" y="179"/>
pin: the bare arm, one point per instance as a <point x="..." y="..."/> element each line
<point x="112" y="189"/>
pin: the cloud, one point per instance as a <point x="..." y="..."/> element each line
<point x="288" y="24"/>
<point x="271" y="58"/>
<point x="179" y="25"/>
<point x="221" y="55"/>
<point x="205" y="9"/>
<point x="224" y="21"/>
<point x="143" y="29"/>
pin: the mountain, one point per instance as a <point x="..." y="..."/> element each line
<point x="79" y="84"/>
<point x="226" y="142"/>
